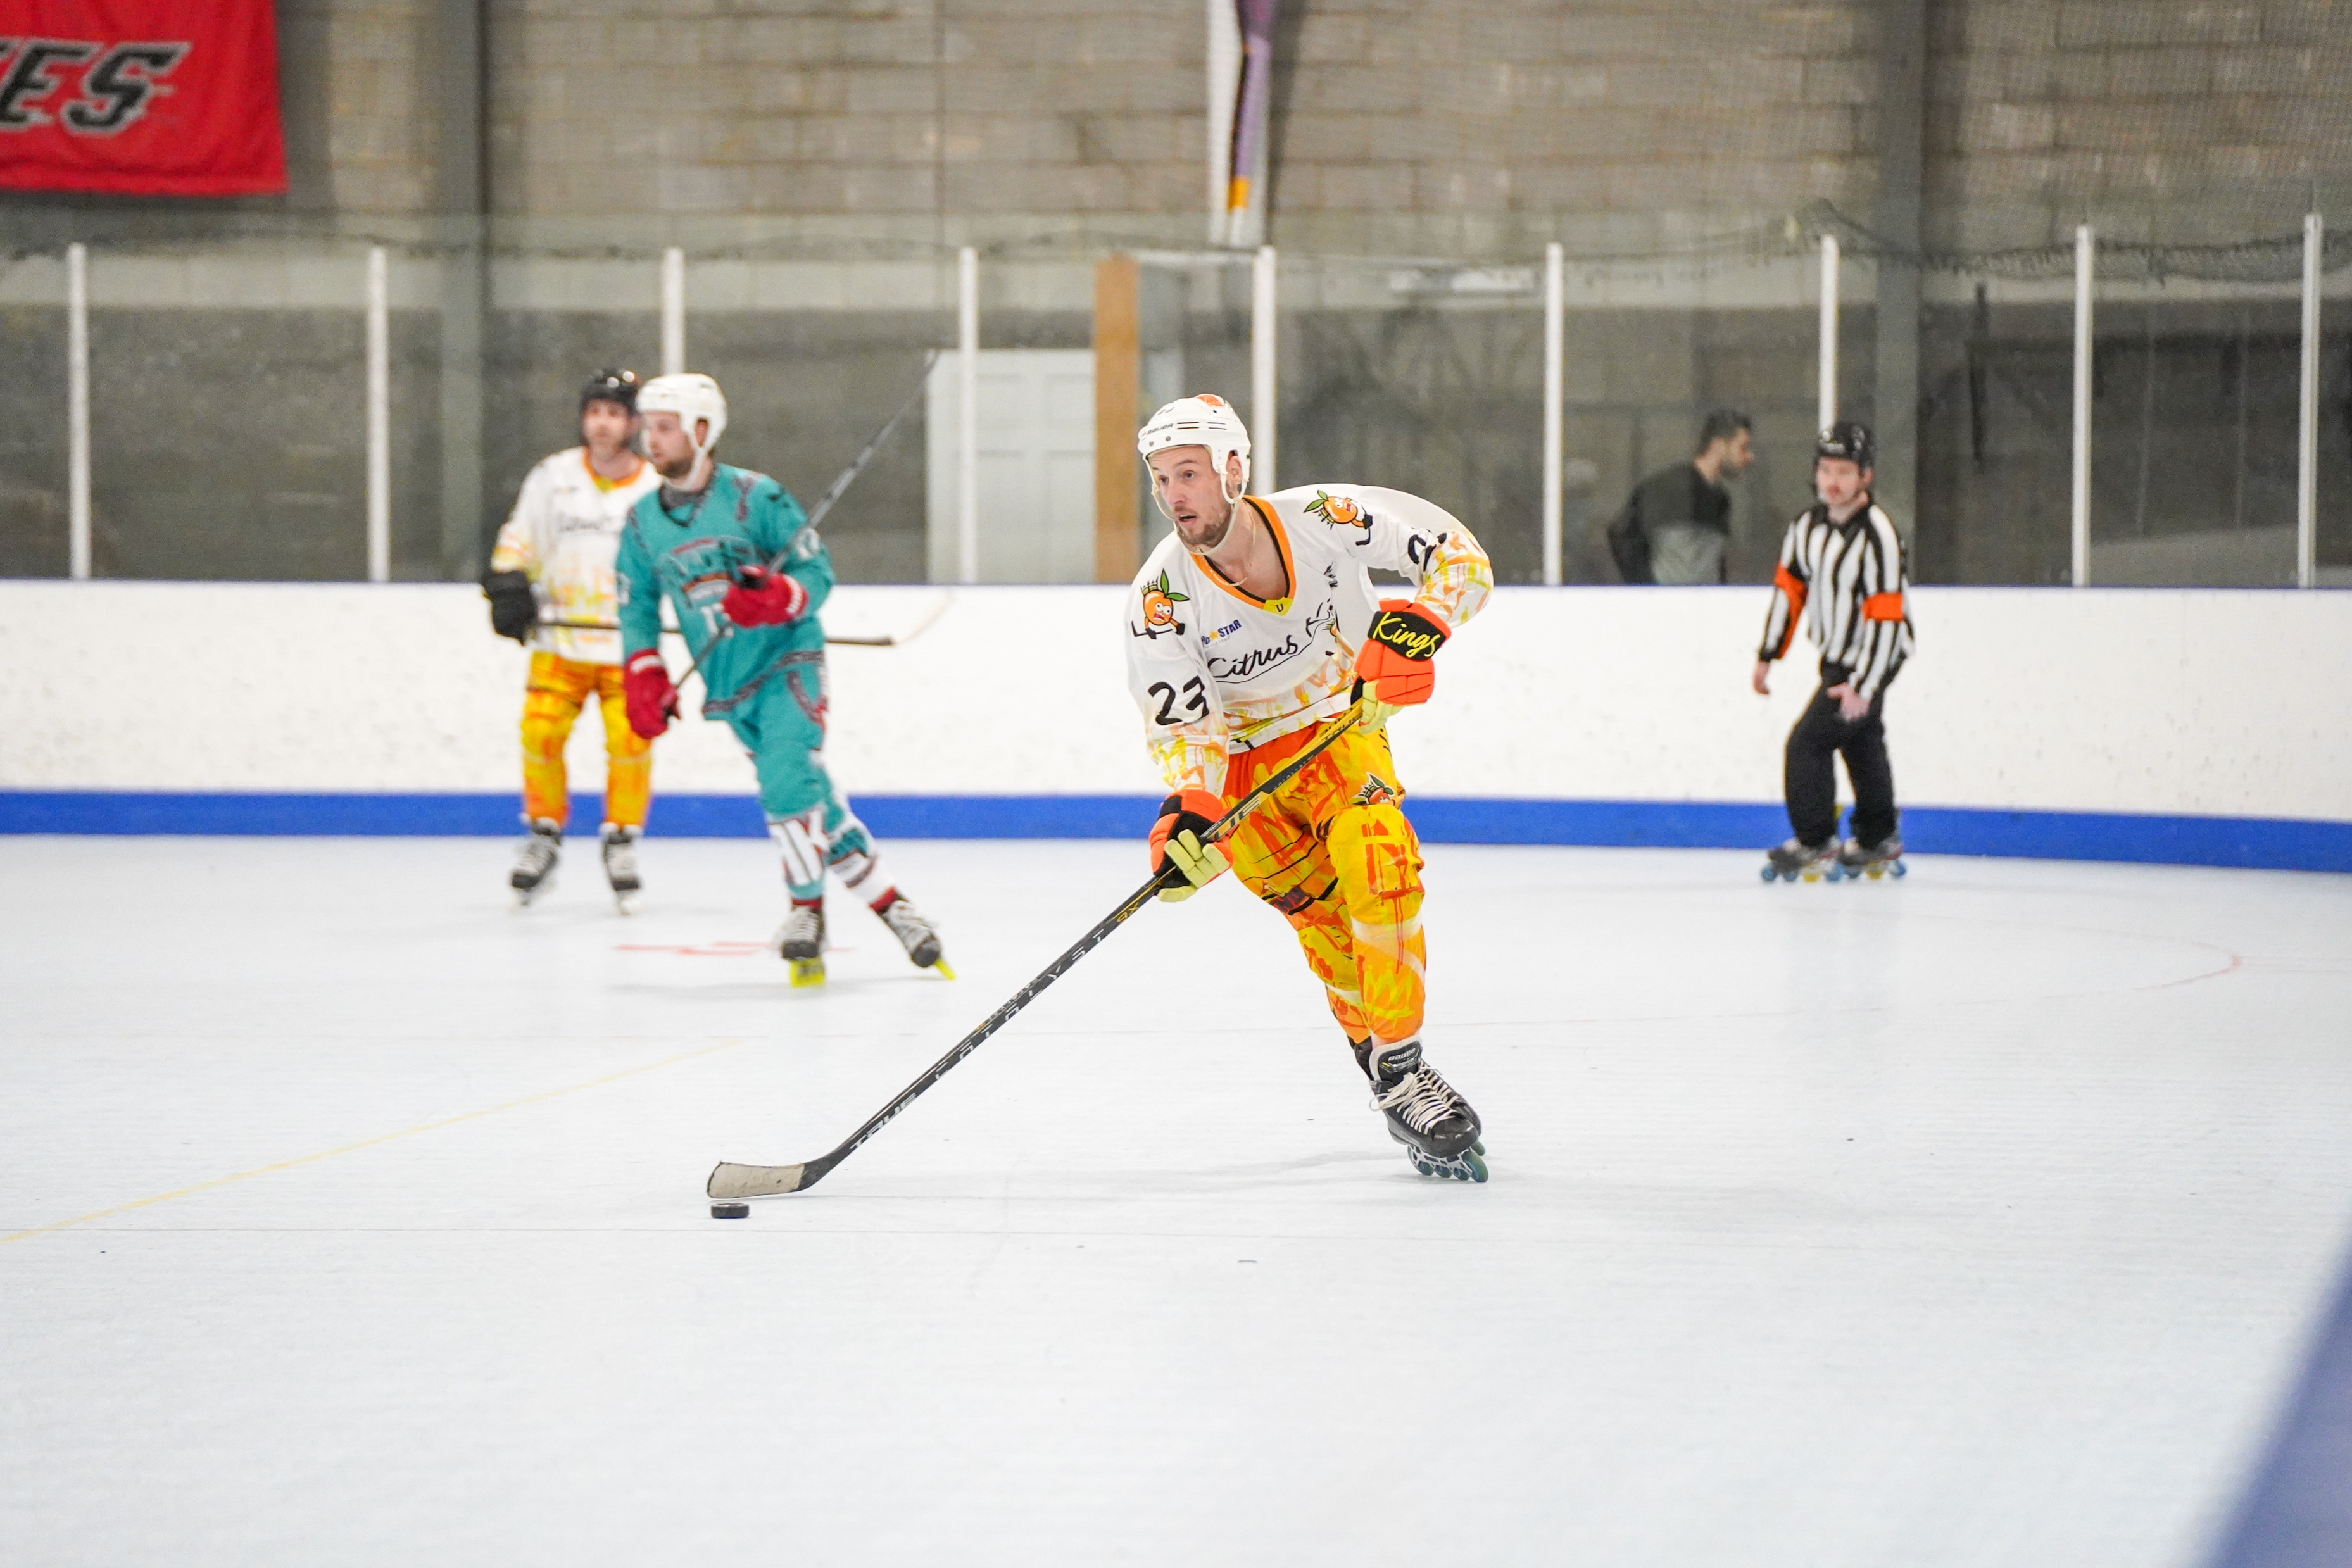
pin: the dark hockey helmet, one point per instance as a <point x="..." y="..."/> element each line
<point x="1850" y="439"/>
<point x="610" y="386"/>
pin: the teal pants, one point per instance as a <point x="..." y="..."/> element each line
<point x="781" y="726"/>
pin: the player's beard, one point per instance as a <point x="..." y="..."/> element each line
<point x="1211" y="537"/>
<point x="678" y="472"/>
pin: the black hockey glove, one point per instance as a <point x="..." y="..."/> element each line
<point x="514" y="608"/>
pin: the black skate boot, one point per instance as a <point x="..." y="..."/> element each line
<point x="1859" y="860"/>
<point x="915" y="934"/>
<point x="800" y="942"/>
<point x="1793" y="858"/>
<point x="1439" y="1130"/>
<point x="621" y="866"/>
<point x="534" y="868"/>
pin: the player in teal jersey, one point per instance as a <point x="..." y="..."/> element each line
<point x="704" y="540"/>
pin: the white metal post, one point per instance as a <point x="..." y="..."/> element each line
<point x="2086" y="267"/>
<point x="967" y="414"/>
<point x="1825" y="398"/>
<point x="2306" y="448"/>
<point x="78" y="410"/>
<point x="673" y="306"/>
<point x="1554" y="404"/>
<point x="379" y="417"/>
<point x="1263" y="387"/>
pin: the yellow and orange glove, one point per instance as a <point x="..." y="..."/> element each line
<point x="1395" y="668"/>
<point x="1180" y="838"/>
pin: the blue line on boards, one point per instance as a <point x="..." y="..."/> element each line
<point x="2261" y="842"/>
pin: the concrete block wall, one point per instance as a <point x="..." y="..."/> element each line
<point x="357" y="96"/>
<point x="2205" y="118"/>
<point x="1472" y="126"/>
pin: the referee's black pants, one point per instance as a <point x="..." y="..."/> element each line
<point x="1811" y="774"/>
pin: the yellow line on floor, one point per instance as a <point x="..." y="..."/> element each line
<point x="368" y="1143"/>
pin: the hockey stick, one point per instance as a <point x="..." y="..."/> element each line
<point x="887" y="640"/>
<point x="731" y="1182"/>
<point x="848" y="477"/>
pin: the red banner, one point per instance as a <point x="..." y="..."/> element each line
<point x="153" y="98"/>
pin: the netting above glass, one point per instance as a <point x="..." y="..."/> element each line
<point x="228" y="436"/>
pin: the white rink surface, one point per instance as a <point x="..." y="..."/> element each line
<point x="1977" y="1219"/>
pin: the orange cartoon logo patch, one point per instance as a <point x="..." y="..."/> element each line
<point x="1336" y="510"/>
<point x="1160" y="602"/>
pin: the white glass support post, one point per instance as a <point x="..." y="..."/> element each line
<point x="2086" y="246"/>
<point x="1554" y="404"/>
<point x="2306" y="445"/>
<point x="673" y="306"/>
<point x="1263" y="387"/>
<point x="78" y="410"/>
<point x="967" y="414"/>
<point x="1825" y="397"/>
<point x="378" y="417"/>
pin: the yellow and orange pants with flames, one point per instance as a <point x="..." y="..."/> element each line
<point x="557" y="691"/>
<point x="1333" y="854"/>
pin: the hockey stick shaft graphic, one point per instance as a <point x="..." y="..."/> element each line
<point x="730" y="1181"/>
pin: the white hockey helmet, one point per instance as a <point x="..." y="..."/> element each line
<point x="1201" y="420"/>
<point x="691" y="396"/>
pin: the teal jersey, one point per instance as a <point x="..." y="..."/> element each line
<point x="692" y="554"/>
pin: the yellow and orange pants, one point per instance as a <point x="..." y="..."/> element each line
<point x="1333" y="854"/>
<point x="559" y="688"/>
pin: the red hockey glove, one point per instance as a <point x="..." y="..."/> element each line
<point x="1177" y="840"/>
<point x="1396" y="665"/>
<point x="764" y="598"/>
<point x="647" y="694"/>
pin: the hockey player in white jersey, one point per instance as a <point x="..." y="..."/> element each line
<point x="1253" y="626"/>
<point x="551" y="587"/>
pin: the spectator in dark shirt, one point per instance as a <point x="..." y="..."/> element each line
<point x="1677" y="521"/>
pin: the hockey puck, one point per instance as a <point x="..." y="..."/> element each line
<point x="731" y="1211"/>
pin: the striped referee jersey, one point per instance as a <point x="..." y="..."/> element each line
<point x="1850" y="585"/>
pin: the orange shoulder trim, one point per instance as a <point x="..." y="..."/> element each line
<point x="1883" y="607"/>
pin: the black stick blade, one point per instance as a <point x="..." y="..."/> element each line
<point x="733" y="1181"/>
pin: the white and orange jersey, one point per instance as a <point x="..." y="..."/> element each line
<point x="1217" y="671"/>
<point x="563" y="532"/>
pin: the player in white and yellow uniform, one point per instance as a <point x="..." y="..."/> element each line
<point x="1252" y="627"/>
<point x="551" y="587"/>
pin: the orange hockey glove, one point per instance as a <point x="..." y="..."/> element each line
<point x="1394" y="667"/>
<point x="1177" y="840"/>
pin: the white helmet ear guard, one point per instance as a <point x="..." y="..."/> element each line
<point x="694" y="398"/>
<point x="1202" y="420"/>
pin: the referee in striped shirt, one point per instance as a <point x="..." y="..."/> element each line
<point x="1841" y="570"/>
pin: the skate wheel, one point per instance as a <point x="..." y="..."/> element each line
<point x="1479" y="1147"/>
<point x="1874" y="872"/>
<point x="626" y="903"/>
<point x="807" y="972"/>
<point x="1477" y="1172"/>
<point x="1899" y="869"/>
<point x="1770" y="876"/>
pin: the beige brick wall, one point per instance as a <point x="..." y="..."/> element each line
<point x="361" y="121"/>
<point x="2180" y="116"/>
<point x="1516" y="106"/>
<point x="1405" y="120"/>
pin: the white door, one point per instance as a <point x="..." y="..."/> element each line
<point x="1036" y="466"/>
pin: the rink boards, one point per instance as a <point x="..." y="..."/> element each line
<point x="2197" y="726"/>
